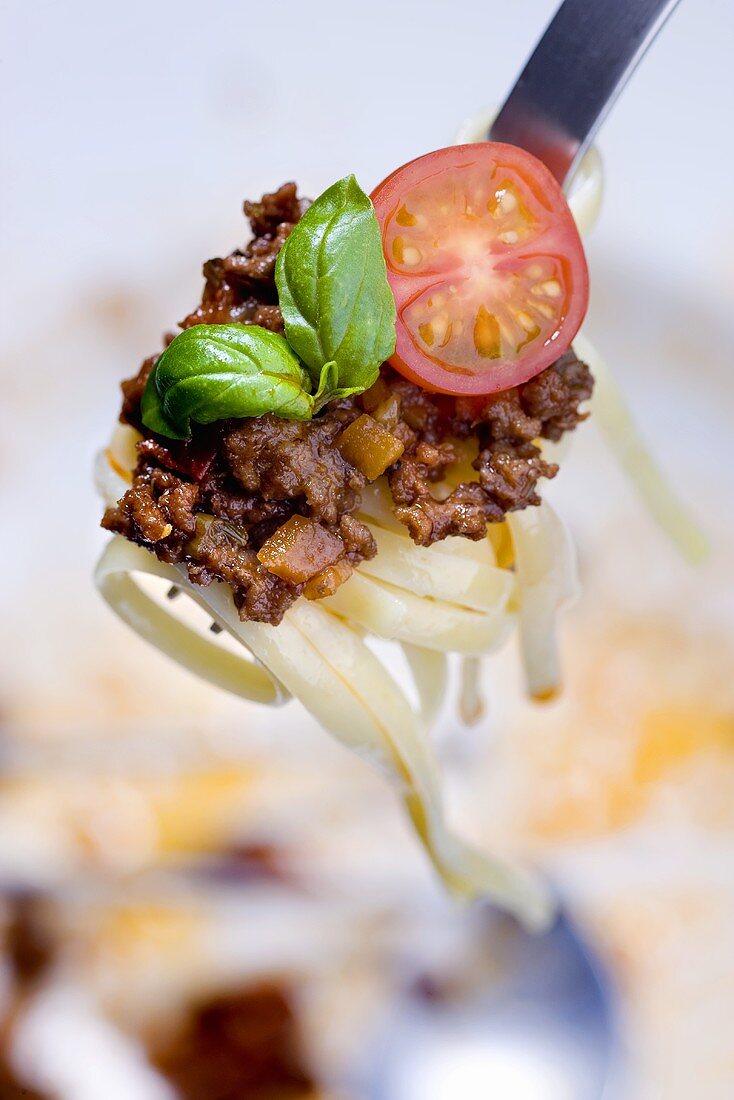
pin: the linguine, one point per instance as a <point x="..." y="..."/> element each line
<point x="457" y="596"/>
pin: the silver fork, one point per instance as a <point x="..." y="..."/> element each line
<point x="549" y="1028"/>
<point x="577" y="70"/>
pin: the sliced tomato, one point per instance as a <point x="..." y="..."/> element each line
<point x="486" y="266"/>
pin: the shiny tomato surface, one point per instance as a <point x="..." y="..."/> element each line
<point x="486" y="266"/>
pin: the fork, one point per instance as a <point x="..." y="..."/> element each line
<point x="583" y="60"/>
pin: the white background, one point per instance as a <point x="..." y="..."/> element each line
<point x="132" y="131"/>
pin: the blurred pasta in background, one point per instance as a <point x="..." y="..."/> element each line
<point x="188" y="881"/>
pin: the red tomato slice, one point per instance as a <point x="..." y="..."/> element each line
<point x="486" y="266"/>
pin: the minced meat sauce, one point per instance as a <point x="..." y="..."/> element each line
<point x="241" y="1043"/>
<point x="240" y="494"/>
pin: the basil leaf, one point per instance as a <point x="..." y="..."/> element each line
<point x="333" y="290"/>
<point x="214" y="372"/>
<point x="153" y="416"/>
<point x="329" y="388"/>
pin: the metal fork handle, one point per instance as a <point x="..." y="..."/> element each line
<point x="577" y="70"/>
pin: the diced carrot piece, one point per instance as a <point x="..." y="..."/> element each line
<point x="328" y="580"/>
<point x="368" y="446"/>
<point x="300" y="549"/>
<point x="378" y="392"/>
<point x="387" y="412"/>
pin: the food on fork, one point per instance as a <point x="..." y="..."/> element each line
<point x="248" y="477"/>
<point x="348" y="437"/>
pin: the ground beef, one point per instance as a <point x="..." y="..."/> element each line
<point x="466" y="511"/>
<point x="13" y="1089"/>
<point x="212" y="502"/>
<point x="275" y="209"/>
<point x="555" y="395"/>
<point x="241" y="287"/>
<point x="222" y="553"/>
<point x="286" y="459"/>
<point x="29" y="951"/>
<point x="227" y="299"/>
<point x="509" y="473"/>
<point x="509" y="463"/>
<point x="359" y="543"/>
<point x="132" y="393"/>
<point x="257" y="263"/>
<point x="216" y="528"/>
<point x="30" y="943"/>
<point x="157" y="510"/>
<point x="239" y="1044"/>
<point x="423" y="415"/>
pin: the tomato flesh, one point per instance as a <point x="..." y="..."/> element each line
<point x="486" y="266"/>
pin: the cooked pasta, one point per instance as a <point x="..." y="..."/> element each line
<point x="454" y="597"/>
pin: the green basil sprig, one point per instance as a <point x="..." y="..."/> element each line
<point x="339" y="316"/>
<point x="333" y="290"/>
<point x="214" y="372"/>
